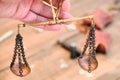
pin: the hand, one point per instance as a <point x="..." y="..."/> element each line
<point x="32" y="11"/>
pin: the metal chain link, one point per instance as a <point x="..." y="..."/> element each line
<point x="90" y="43"/>
<point x="23" y="54"/>
<point x="15" y="51"/>
<point x="92" y="50"/>
<point x="19" y="50"/>
<point x="19" y="54"/>
<point x="87" y="41"/>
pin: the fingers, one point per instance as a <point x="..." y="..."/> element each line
<point x="66" y="6"/>
<point x="51" y="27"/>
<point x="66" y="15"/>
<point x="45" y="11"/>
<point x="42" y="13"/>
<point x="32" y="17"/>
<point x="41" y="9"/>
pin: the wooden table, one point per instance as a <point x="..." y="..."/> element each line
<point x="46" y="58"/>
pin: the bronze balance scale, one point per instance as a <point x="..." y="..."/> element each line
<point x="87" y="59"/>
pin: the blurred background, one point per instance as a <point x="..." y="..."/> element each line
<point x="50" y="60"/>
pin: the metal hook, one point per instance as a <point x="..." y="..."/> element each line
<point x="20" y="25"/>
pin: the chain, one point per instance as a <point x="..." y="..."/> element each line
<point x="23" y="54"/>
<point x="19" y="50"/>
<point x="15" y="51"/>
<point x="92" y="50"/>
<point x="14" y="56"/>
<point x="90" y="43"/>
<point x="89" y="39"/>
<point x="92" y="40"/>
<point x="85" y="48"/>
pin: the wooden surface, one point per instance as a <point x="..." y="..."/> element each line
<point x="50" y="61"/>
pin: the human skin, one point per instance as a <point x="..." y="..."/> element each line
<point x="32" y="11"/>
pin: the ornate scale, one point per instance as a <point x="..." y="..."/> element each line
<point x="87" y="60"/>
<point x="19" y="65"/>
